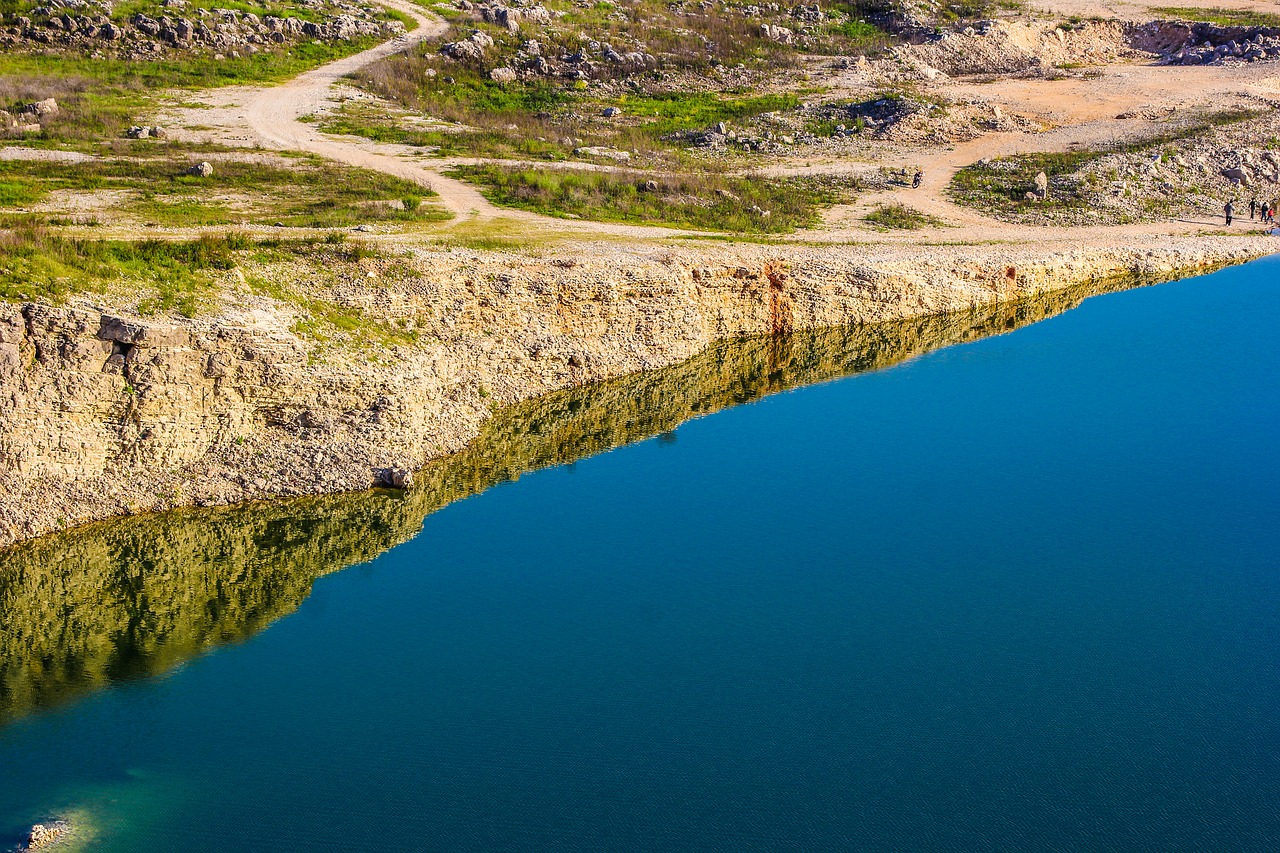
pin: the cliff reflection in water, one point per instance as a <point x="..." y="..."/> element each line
<point x="134" y="597"/>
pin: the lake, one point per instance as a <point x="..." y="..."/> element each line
<point x="919" y="586"/>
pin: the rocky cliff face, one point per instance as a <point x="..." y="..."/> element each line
<point x="103" y="414"/>
<point x="133" y="597"/>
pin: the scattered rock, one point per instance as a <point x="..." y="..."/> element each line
<point x="43" y="835"/>
<point x="601" y="151"/>
<point x="503" y="75"/>
<point x="395" y="477"/>
<point x="611" y="112"/>
<point x="1238" y="175"/>
<point x="48" y="108"/>
<point x="201" y="170"/>
<point x="472" y="47"/>
<point x="781" y="35"/>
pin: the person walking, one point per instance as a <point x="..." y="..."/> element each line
<point x="1227" y="210"/>
<point x="1253" y="206"/>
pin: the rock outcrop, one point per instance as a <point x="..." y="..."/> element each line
<point x="167" y="587"/>
<point x="45" y="835"/>
<point x="103" y="414"/>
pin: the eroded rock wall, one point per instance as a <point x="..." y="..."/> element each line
<point x="103" y="414"/>
<point x="133" y="597"/>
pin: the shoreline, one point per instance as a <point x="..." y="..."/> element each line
<point x="112" y="414"/>
<point x="222" y="574"/>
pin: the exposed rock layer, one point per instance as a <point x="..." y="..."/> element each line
<point x="134" y="597"/>
<point x="106" y="415"/>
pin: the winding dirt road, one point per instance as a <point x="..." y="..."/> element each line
<point x="272" y="117"/>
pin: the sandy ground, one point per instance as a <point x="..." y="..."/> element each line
<point x="1084" y="113"/>
<point x="1128" y="10"/>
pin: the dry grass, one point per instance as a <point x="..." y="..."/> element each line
<point x="708" y="201"/>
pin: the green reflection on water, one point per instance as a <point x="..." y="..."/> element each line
<point x="134" y="597"/>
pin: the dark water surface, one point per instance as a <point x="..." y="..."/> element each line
<point x="1018" y="594"/>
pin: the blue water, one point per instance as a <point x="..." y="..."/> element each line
<point x="1020" y="594"/>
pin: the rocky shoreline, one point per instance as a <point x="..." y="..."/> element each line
<point x="109" y="414"/>
<point x="172" y="585"/>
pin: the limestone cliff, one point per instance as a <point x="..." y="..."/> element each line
<point x="103" y="413"/>
<point x="133" y="597"/>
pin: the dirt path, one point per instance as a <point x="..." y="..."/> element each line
<point x="273" y="115"/>
<point x="1084" y="110"/>
<point x="965" y="223"/>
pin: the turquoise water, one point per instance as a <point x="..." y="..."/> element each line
<point x="1018" y="594"/>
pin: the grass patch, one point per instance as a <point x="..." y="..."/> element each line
<point x="100" y="98"/>
<point x="972" y="10"/>
<point x="185" y="276"/>
<point x="371" y="123"/>
<point x="672" y="112"/>
<point x="38" y="264"/>
<point x="706" y="201"/>
<point x="1221" y="17"/>
<point x="901" y="217"/>
<point x="323" y="320"/>
<point x="1001" y="185"/>
<point x="308" y="193"/>
<point x="19" y="193"/>
<point x="503" y="128"/>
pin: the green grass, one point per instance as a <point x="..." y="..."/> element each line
<point x="308" y="192"/>
<point x="189" y="72"/>
<point x="127" y="9"/>
<point x="101" y="97"/>
<point x="972" y="10"/>
<point x="516" y="123"/>
<point x="18" y="193"/>
<point x="322" y="320"/>
<point x="473" y="92"/>
<point x="702" y="201"/>
<point x="38" y="264"/>
<point x="187" y="276"/>
<point x="847" y="29"/>
<point x="369" y="123"/>
<point x="1221" y="17"/>
<point x="672" y="112"/>
<point x="1002" y="185"/>
<point x="901" y="217"/>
